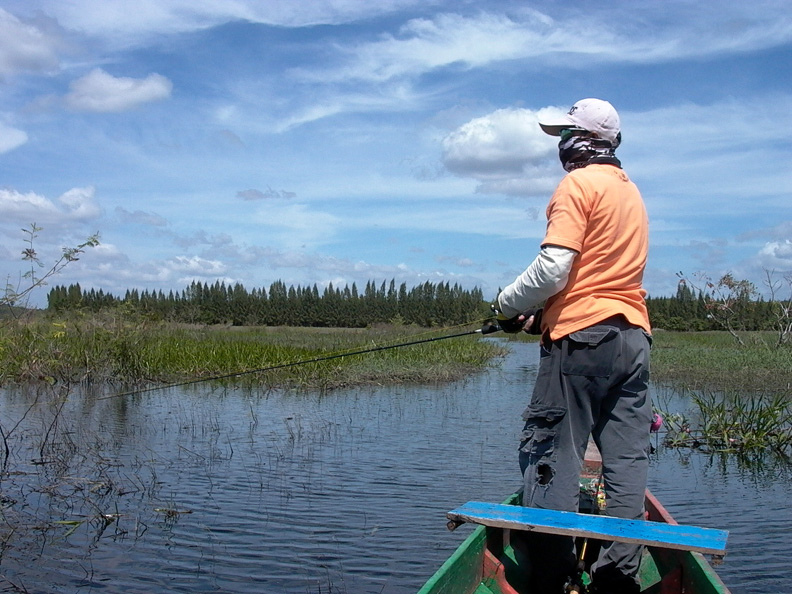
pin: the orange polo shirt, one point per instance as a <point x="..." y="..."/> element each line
<point x="598" y="212"/>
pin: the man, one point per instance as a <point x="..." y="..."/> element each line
<point x="594" y="367"/>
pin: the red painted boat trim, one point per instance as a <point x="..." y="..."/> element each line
<point x="493" y="570"/>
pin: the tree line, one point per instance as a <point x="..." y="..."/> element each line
<point x="428" y="304"/>
<point x="727" y="304"/>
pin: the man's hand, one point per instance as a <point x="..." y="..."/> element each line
<point x="533" y="323"/>
<point x="529" y="321"/>
<point x="510" y="325"/>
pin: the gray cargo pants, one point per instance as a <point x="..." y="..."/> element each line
<point x="590" y="383"/>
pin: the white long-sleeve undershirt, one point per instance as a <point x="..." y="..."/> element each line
<point x="547" y="275"/>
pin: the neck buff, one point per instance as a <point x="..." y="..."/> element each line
<point x="579" y="151"/>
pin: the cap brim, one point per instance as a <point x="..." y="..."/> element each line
<point x="554" y="128"/>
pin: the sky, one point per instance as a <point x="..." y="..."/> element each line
<point x="342" y="141"/>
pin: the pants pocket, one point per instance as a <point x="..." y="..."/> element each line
<point x="538" y="441"/>
<point x="591" y="352"/>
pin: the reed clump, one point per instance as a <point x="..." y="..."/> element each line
<point x="129" y="350"/>
<point x="740" y="394"/>
<point x="734" y="423"/>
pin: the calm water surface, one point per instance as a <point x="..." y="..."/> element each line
<point x="223" y="490"/>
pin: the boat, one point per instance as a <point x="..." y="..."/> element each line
<point x="488" y="563"/>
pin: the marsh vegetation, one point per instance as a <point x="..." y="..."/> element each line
<point x="127" y="350"/>
<point x="740" y="392"/>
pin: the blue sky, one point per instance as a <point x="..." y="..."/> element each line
<point x="348" y="140"/>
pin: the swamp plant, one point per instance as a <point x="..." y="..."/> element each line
<point x="740" y="394"/>
<point x="731" y="422"/>
<point x="121" y="348"/>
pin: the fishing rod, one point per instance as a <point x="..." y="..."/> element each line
<point x="488" y="328"/>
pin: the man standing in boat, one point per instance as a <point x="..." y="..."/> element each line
<point x="594" y="367"/>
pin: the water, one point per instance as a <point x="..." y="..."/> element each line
<point x="223" y="490"/>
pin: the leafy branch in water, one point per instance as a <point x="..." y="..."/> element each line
<point x="39" y="273"/>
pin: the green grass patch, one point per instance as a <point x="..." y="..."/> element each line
<point x="123" y="350"/>
<point x="714" y="361"/>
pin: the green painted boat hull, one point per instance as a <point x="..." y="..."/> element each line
<point x="485" y="563"/>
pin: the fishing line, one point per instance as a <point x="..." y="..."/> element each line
<point x="488" y="328"/>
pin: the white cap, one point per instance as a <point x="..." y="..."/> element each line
<point x="594" y="115"/>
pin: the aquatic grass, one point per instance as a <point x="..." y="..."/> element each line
<point x="130" y="350"/>
<point x="78" y="350"/>
<point x="733" y="422"/>
<point x="740" y="396"/>
<point x="257" y="349"/>
<point x="746" y="422"/>
<point x="713" y="361"/>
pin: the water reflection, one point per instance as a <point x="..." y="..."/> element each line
<point x="237" y="491"/>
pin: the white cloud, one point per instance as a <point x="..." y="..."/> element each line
<point x="306" y="268"/>
<point x="711" y="126"/>
<point x="297" y="225"/>
<point x="119" y="25"/>
<point x="140" y="217"/>
<point x="78" y="204"/>
<point x="471" y="41"/>
<point x="106" y="253"/>
<point x="461" y="37"/>
<point x="395" y="96"/>
<point x="269" y="193"/>
<point x="425" y="44"/>
<point x="506" y="151"/>
<point x="782" y="231"/>
<point x="777" y="255"/>
<point x="25" y="46"/>
<point x="195" y="265"/>
<point x="11" y="138"/>
<point x="721" y="156"/>
<point x="99" y="91"/>
<point x="17" y="206"/>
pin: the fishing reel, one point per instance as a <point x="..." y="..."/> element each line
<point x="517" y="323"/>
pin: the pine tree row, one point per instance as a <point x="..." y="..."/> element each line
<point x="426" y="305"/>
